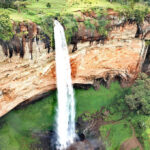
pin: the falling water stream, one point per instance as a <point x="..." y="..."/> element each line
<point x="66" y="103"/>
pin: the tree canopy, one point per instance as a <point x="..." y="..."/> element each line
<point x="9" y="3"/>
<point x="139" y="98"/>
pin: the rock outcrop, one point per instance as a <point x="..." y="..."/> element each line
<point x="118" y="58"/>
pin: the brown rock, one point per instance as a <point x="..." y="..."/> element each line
<point x="25" y="80"/>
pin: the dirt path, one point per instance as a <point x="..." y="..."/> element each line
<point x="131" y="143"/>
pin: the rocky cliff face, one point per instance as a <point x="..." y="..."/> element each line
<point x="117" y="58"/>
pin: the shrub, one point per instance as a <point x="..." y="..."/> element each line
<point x="48" y="28"/>
<point x="99" y="23"/>
<point x="6" y="28"/>
<point x="89" y="25"/>
<point x="134" y="14"/>
<point x="48" y="5"/>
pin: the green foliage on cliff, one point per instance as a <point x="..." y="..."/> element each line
<point x="67" y="20"/>
<point x="48" y="28"/>
<point x="102" y="21"/>
<point x="89" y="25"/>
<point x="70" y="25"/>
<point x="134" y="10"/>
<point x="139" y="99"/>
<point x="6" y="27"/>
<point x="134" y="14"/>
<point x="98" y="23"/>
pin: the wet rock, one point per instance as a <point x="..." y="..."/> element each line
<point x="81" y="146"/>
<point x="1" y="93"/>
<point x="82" y="86"/>
<point x="43" y="140"/>
<point x="96" y="84"/>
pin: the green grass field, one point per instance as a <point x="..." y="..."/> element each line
<point x="35" y="11"/>
<point x="115" y="134"/>
<point x="92" y="101"/>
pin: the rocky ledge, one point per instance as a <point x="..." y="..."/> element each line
<point x="120" y="57"/>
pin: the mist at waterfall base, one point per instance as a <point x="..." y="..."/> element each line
<point x="65" y="119"/>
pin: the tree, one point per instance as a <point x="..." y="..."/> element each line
<point x="139" y="99"/>
<point x="130" y="2"/>
<point x="12" y="3"/>
<point x="6" y="3"/>
<point x="20" y="4"/>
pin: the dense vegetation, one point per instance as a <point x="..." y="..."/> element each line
<point x="6" y="28"/>
<point x="132" y="111"/>
<point x="139" y="99"/>
<point x="18" y="127"/>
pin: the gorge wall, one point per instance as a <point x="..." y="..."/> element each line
<point x="94" y="62"/>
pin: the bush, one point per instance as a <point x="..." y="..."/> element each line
<point x="48" y="28"/>
<point x="6" y="28"/>
<point x="132" y="14"/>
<point x="48" y="5"/>
<point x="99" y="23"/>
<point x="89" y="25"/>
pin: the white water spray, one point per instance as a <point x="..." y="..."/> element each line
<point x="66" y="102"/>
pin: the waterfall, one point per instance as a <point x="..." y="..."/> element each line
<point x="66" y="103"/>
